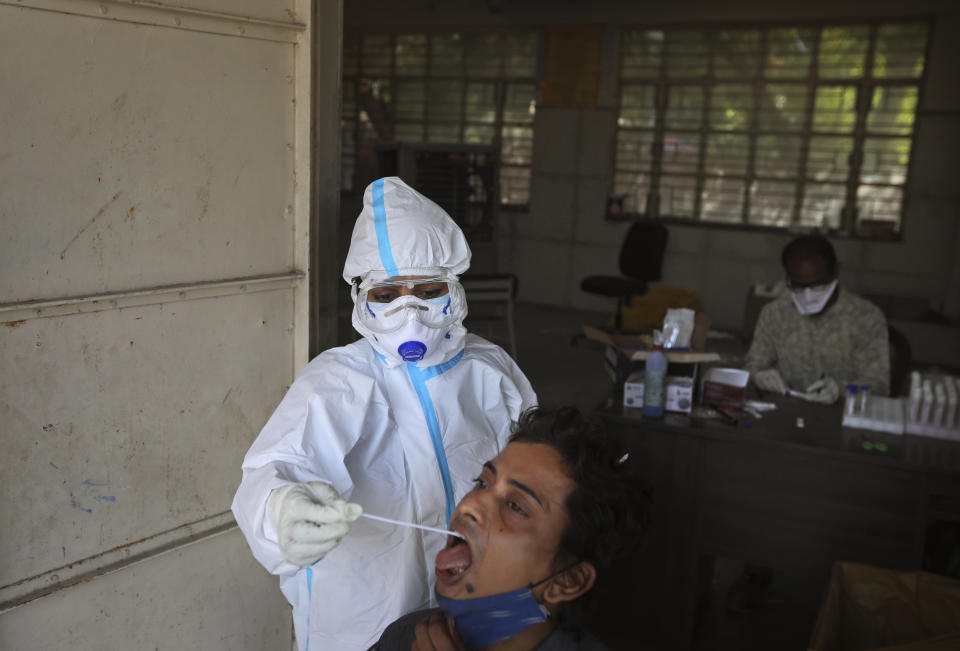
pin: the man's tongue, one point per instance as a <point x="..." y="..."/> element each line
<point x="455" y="557"/>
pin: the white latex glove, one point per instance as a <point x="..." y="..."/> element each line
<point x="310" y="520"/>
<point x="769" y="380"/>
<point x="825" y="390"/>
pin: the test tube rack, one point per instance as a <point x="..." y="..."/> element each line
<point x="879" y="414"/>
<point x="931" y="407"/>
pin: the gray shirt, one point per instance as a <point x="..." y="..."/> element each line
<point x="847" y="342"/>
<point x="399" y="636"/>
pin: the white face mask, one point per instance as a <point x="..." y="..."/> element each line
<point x="812" y="300"/>
<point x="413" y="342"/>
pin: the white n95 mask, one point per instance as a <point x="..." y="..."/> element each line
<point x="412" y="342"/>
<point x="812" y="300"/>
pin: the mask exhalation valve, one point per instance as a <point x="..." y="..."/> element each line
<point x="412" y="351"/>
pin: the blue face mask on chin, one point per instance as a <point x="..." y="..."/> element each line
<point x="484" y="621"/>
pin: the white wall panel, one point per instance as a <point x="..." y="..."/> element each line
<point x="552" y="203"/>
<point x="555" y="134"/>
<point x="259" y="9"/>
<point x="591" y="205"/>
<point x="545" y="273"/>
<point x="210" y="595"/>
<point x="597" y="129"/>
<point x="126" y="423"/>
<point x="155" y="170"/>
<point x="150" y="156"/>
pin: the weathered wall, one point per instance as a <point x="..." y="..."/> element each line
<point x="155" y="166"/>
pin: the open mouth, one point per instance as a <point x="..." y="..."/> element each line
<point x="454" y="560"/>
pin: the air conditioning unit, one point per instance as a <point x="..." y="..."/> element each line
<point x="462" y="179"/>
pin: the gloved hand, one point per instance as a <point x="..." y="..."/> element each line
<point x="825" y="390"/>
<point x="310" y="519"/>
<point x="769" y="380"/>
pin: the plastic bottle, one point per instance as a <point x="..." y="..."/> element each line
<point x="654" y="383"/>
<point x="864" y="394"/>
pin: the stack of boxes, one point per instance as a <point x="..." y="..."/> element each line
<point x="626" y="355"/>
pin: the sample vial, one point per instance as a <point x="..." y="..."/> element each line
<point x="939" y="404"/>
<point x="927" y="405"/>
<point x="850" y="404"/>
<point x="951" y="404"/>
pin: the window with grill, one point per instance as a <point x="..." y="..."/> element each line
<point x="451" y="87"/>
<point x="773" y="126"/>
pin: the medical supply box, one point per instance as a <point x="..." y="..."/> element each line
<point x="724" y="387"/>
<point x="679" y="389"/>
<point x="626" y="354"/>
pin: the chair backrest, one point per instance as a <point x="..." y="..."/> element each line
<point x="641" y="256"/>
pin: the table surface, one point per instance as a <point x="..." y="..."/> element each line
<point x="776" y="495"/>
<point x="822" y="432"/>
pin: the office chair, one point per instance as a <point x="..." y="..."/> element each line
<point x="498" y="288"/>
<point x="641" y="259"/>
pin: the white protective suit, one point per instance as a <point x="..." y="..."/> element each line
<point x="404" y="440"/>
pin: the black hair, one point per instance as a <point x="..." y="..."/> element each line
<point x="608" y="510"/>
<point x="810" y="247"/>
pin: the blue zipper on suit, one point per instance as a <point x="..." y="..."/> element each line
<point x="419" y="378"/>
<point x="306" y="647"/>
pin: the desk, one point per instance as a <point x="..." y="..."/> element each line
<point x="775" y="495"/>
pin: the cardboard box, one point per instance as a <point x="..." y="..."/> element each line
<point x="874" y="608"/>
<point x="646" y="312"/>
<point x="679" y="390"/>
<point x="625" y="357"/>
<point x="641" y="343"/>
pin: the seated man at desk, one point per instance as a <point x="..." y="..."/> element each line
<point x="818" y="337"/>
<point x="556" y="507"/>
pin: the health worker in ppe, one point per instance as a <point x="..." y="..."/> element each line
<point x="818" y="337"/>
<point x="396" y="424"/>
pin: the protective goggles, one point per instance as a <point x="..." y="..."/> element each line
<point x="386" y="305"/>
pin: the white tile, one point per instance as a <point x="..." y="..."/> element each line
<point x="724" y="291"/>
<point x="555" y="140"/>
<point x="687" y="239"/>
<point x="592" y="226"/>
<point x="936" y="157"/>
<point x="746" y="245"/>
<point x="927" y="248"/>
<point x="942" y="90"/>
<point x="543" y="271"/>
<point x="906" y="285"/>
<point x="596" y="142"/>
<point x="683" y="270"/>
<point x="552" y="205"/>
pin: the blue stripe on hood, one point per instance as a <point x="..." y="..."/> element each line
<point x="383" y="237"/>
